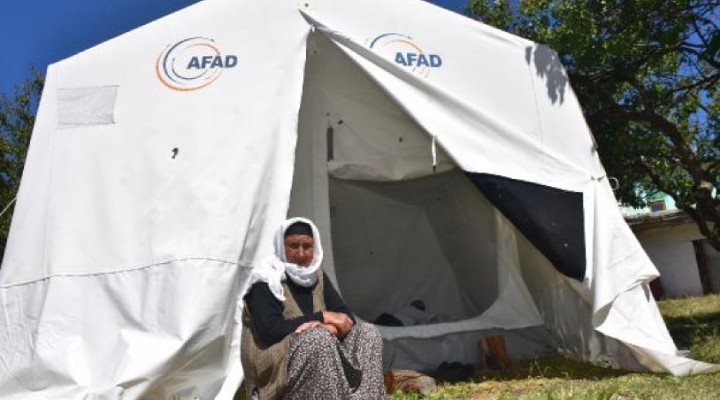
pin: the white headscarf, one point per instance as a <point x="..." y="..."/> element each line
<point x="274" y="269"/>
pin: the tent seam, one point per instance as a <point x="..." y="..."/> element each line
<point x="126" y="269"/>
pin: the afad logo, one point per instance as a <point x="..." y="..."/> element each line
<point x="192" y="64"/>
<point x="405" y="52"/>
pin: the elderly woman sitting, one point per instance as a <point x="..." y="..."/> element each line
<point x="299" y="339"/>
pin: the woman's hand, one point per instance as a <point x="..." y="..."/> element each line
<point x="315" y="324"/>
<point x="307" y="325"/>
<point x="340" y="321"/>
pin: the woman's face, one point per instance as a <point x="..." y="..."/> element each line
<point x="299" y="249"/>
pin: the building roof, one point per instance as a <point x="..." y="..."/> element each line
<point x="657" y="219"/>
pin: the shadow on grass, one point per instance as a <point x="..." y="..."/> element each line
<point x="549" y="367"/>
<point x="687" y="330"/>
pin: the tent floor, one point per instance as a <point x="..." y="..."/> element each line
<point x="426" y="354"/>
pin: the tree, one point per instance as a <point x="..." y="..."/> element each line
<point x="17" y="117"/>
<point x="647" y="74"/>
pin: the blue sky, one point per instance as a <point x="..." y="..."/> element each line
<point x="41" y="32"/>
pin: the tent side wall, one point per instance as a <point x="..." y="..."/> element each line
<point x="158" y="171"/>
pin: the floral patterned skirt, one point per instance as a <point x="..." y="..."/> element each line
<point x="322" y="367"/>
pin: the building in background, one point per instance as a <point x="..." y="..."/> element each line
<point x="688" y="264"/>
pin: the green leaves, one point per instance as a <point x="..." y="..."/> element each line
<point x="17" y="117"/>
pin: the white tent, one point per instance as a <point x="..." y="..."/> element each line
<point x="441" y="158"/>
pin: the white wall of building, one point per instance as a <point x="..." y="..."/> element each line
<point x="672" y="251"/>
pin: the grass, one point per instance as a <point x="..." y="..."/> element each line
<point x="694" y="324"/>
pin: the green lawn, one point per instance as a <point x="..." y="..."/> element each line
<point x="694" y="323"/>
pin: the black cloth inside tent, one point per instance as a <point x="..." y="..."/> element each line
<point x="551" y="219"/>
